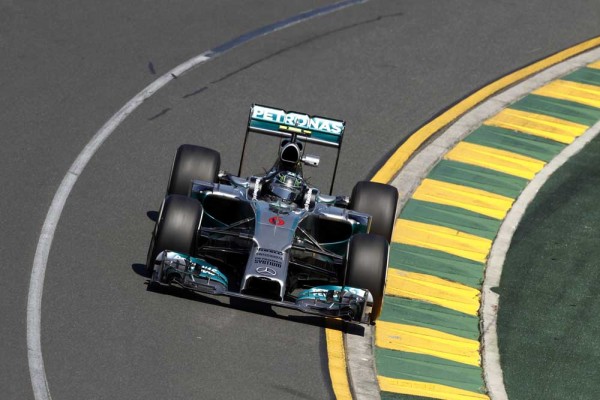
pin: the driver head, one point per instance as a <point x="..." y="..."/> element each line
<point x="287" y="186"/>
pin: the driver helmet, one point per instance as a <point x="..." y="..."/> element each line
<point x="287" y="186"/>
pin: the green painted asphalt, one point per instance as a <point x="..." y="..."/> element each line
<point x="478" y="178"/>
<point x="589" y="76"/>
<point x="456" y="218"/>
<point x="563" y="109"/>
<point x="549" y="317"/>
<point x="516" y="142"/>
<point x="432" y="262"/>
<point x="413" y="366"/>
<point x="396" y="396"/>
<point x="417" y="313"/>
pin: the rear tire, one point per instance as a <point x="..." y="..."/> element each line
<point x="176" y="228"/>
<point x="379" y="201"/>
<point x="366" y="267"/>
<point x="192" y="162"/>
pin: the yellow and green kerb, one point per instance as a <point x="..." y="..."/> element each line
<point x="427" y="338"/>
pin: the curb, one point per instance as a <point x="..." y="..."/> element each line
<point x="407" y="181"/>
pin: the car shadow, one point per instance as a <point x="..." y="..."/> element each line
<point x="139" y="269"/>
<point x="248" y="305"/>
<point x="152" y="215"/>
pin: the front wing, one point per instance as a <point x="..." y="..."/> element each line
<point x="196" y="274"/>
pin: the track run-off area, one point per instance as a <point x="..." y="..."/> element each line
<point x="385" y="67"/>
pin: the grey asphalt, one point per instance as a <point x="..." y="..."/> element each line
<point x="386" y="67"/>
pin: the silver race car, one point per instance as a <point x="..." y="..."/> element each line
<point x="273" y="237"/>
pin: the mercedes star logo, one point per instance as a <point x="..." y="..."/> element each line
<point x="266" y="271"/>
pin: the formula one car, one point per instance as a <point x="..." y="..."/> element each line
<point x="272" y="237"/>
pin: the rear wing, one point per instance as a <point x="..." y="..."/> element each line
<point x="310" y="129"/>
<point x="303" y="127"/>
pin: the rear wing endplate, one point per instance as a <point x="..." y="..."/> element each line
<point x="287" y="124"/>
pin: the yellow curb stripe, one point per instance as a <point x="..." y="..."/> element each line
<point x="537" y="125"/>
<point x="441" y="238"/>
<point x="387" y="172"/>
<point x="337" y="364"/>
<point x="595" y="65"/>
<point x="572" y="91"/>
<point x="476" y="200"/>
<point x="495" y="159"/>
<point x="415" y="339"/>
<point x="426" y="389"/>
<point x="432" y="289"/>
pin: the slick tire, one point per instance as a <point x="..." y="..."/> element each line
<point x="176" y="228"/>
<point x="192" y="162"/>
<point x="379" y="201"/>
<point x="366" y="267"/>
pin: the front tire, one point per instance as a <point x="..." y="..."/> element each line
<point x="366" y="267"/>
<point x="379" y="201"/>
<point x="176" y="228"/>
<point x="193" y="163"/>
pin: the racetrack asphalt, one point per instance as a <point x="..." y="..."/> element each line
<point x="385" y="67"/>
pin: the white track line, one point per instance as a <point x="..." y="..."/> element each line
<point x="37" y="371"/>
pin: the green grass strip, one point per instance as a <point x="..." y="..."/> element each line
<point x="589" y="76"/>
<point x="520" y="143"/>
<point x="451" y="217"/>
<point x="549" y="304"/>
<point x="426" y="315"/>
<point x="563" y="109"/>
<point x="433" y="262"/>
<point x="478" y="178"/>
<point x="425" y="368"/>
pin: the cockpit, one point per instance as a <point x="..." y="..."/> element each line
<point x="286" y="186"/>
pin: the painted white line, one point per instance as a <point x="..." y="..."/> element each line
<point x="37" y="371"/>
<point x="419" y="166"/>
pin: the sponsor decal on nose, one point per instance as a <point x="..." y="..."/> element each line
<point x="276" y="221"/>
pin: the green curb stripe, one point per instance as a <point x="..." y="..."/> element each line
<point x="397" y="396"/>
<point x="516" y="142"/>
<point x="424" y="368"/>
<point x="563" y="109"/>
<point x="451" y="217"/>
<point x="478" y="178"/>
<point x="426" y="315"/>
<point x="433" y="262"/>
<point x="590" y="76"/>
